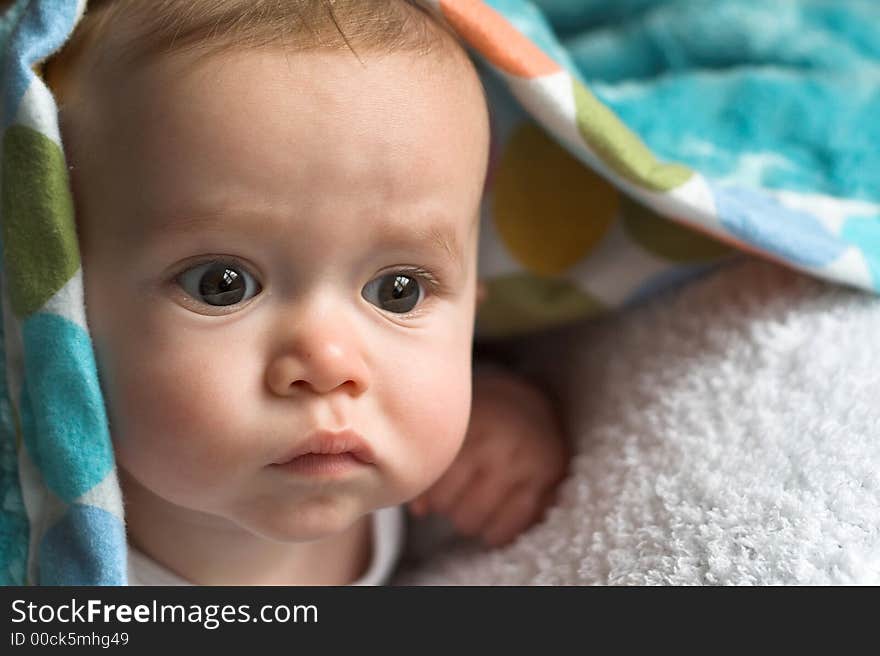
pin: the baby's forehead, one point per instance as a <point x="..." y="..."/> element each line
<point x="125" y="32"/>
<point x="116" y="38"/>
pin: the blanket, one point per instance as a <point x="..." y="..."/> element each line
<point x="636" y="145"/>
<point x="725" y="433"/>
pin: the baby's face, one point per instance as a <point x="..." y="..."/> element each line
<point x="277" y="244"/>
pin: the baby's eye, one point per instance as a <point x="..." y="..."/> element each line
<point x="219" y="283"/>
<point x="394" y="292"/>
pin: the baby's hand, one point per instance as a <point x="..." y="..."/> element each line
<point x="508" y="468"/>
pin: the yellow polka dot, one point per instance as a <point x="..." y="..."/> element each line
<point x="522" y="303"/>
<point x="549" y="209"/>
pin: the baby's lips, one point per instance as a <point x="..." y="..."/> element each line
<point x="325" y="442"/>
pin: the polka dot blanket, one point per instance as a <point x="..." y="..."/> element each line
<point x="637" y="144"/>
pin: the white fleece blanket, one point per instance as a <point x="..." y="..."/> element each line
<point x="726" y="434"/>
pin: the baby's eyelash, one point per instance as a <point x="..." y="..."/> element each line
<point x="422" y="273"/>
<point x="434" y="284"/>
<point x="230" y="260"/>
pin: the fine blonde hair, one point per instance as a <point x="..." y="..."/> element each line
<point x="127" y="31"/>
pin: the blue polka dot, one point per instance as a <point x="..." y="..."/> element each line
<point x="86" y="547"/>
<point x="792" y="235"/>
<point x="62" y="410"/>
<point x="864" y="232"/>
<point x="42" y="29"/>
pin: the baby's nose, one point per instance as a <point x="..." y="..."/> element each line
<point x="319" y="361"/>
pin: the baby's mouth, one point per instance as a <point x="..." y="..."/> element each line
<point x="327" y="452"/>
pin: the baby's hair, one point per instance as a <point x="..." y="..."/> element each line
<point x="130" y="30"/>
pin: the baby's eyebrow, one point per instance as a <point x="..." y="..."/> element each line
<point x="437" y="234"/>
<point x="196" y="220"/>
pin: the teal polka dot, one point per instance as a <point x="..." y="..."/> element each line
<point x="62" y="410"/>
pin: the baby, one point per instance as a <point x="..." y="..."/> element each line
<point x="277" y="205"/>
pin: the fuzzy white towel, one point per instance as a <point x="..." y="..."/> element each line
<point x="728" y="433"/>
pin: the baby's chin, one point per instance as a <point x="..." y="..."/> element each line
<point x="304" y="521"/>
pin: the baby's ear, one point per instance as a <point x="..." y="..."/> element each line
<point x="482" y="292"/>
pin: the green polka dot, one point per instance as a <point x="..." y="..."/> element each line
<point x="620" y="148"/>
<point x="549" y="209"/>
<point x="663" y="237"/>
<point x="522" y="303"/>
<point x="39" y="235"/>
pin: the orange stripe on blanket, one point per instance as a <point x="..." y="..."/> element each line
<point x="495" y="38"/>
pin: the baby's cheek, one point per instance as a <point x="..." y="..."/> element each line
<point x="433" y="423"/>
<point x="178" y="422"/>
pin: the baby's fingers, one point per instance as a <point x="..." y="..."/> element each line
<point x="479" y="501"/>
<point x="444" y="494"/>
<point x="519" y="512"/>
